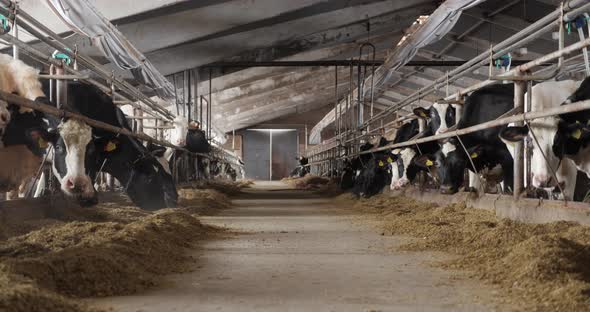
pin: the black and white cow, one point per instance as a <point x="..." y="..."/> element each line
<point x="184" y="134"/>
<point x="485" y="148"/>
<point x="352" y="167"/>
<point x="440" y="117"/>
<point x="572" y="139"/>
<point x="144" y="179"/>
<point x="29" y="128"/>
<point x="301" y="169"/>
<point x="403" y="169"/>
<point x="548" y="132"/>
<point x="373" y="170"/>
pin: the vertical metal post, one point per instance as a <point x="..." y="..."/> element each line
<point x="156" y="128"/>
<point x="270" y="157"/>
<point x="306" y="138"/>
<point x="527" y="146"/>
<point x="359" y="100"/>
<point x="336" y="126"/>
<point x="196" y="95"/>
<point x="351" y="109"/>
<point x="52" y="84"/>
<point x="15" y="51"/>
<point x="175" y="94"/>
<point x="209" y="106"/>
<point x="186" y="93"/>
<point x="62" y="88"/>
<point x="519" y="91"/>
<point x="200" y="102"/>
<point x="233" y="139"/>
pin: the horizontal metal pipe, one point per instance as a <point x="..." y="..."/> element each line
<point x="40" y="55"/>
<point x="20" y="101"/>
<point x="296" y="63"/>
<point x="58" y="43"/>
<point x="528" y="34"/>
<point x="64" y="77"/>
<point x="143" y="117"/>
<point x="570" y="108"/>
<point x="159" y="127"/>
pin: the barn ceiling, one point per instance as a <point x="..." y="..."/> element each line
<point x="179" y="35"/>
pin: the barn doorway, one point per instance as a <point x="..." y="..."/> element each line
<point x="270" y="154"/>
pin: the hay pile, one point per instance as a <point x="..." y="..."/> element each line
<point x="202" y="201"/>
<point x="541" y="267"/>
<point x="113" y="248"/>
<point x="226" y="187"/>
<point x="309" y="182"/>
<point x="90" y="259"/>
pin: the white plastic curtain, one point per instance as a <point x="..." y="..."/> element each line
<point x="83" y="18"/>
<point x="440" y="22"/>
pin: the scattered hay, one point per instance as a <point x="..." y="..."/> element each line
<point x="543" y="267"/>
<point x="88" y="259"/>
<point x="113" y="248"/>
<point x="309" y="182"/>
<point x="18" y="294"/>
<point x="227" y="187"/>
<point x="202" y="201"/>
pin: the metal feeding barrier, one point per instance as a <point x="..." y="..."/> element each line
<point x="65" y="65"/>
<point x="322" y="156"/>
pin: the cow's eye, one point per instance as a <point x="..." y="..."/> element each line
<point x="58" y="148"/>
<point x="437" y="164"/>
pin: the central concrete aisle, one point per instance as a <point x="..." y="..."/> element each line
<point x="296" y="251"/>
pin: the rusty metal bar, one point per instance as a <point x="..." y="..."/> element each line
<point x="48" y="109"/>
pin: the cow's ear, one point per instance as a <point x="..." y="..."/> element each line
<point x="573" y="131"/>
<point x="42" y="137"/>
<point x="514" y="134"/>
<point x="476" y="151"/>
<point x="422" y="112"/>
<point x="424" y="161"/>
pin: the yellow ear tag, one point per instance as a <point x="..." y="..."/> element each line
<point x="577" y="134"/>
<point x="381" y="164"/>
<point x="474" y="155"/>
<point x="111" y="146"/>
<point x="389" y="160"/>
<point x="423" y="114"/>
<point x="42" y="143"/>
<point x="429" y="163"/>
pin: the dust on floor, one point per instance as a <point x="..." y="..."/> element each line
<point x="539" y="267"/>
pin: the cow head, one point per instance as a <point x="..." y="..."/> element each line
<point x="402" y="170"/>
<point x="178" y="134"/>
<point x="440" y="116"/>
<point x="570" y="138"/>
<point x="72" y="149"/>
<point x="556" y="139"/>
<point x="449" y="163"/>
<point x="144" y="179"/>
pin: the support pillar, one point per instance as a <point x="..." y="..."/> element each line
<point x="519" y="93"/>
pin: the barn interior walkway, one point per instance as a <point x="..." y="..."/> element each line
<point x="298" y="252"/>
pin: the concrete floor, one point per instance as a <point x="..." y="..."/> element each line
<point x="298" y="252"/>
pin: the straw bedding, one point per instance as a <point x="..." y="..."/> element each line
<point x="111" y="249"/>
<point x="539" y="267"/>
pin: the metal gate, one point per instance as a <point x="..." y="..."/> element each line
<point x="269" y="151"/>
